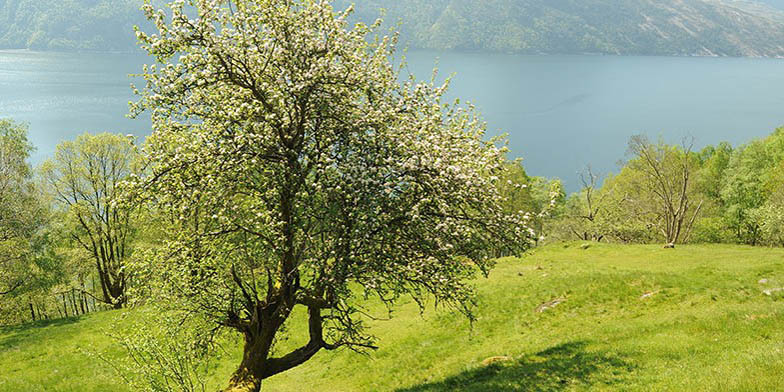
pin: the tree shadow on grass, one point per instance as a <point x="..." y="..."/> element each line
<point x="558" y="368"/>
<point x="11" y="336"/>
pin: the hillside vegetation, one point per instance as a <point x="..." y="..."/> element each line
<point x="105" y="25"/>
<point x="643" y="27"/>
<point x="609" y="317"/>
<point x="646" y="27"/>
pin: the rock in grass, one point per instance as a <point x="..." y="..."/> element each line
<point x="771" y="291"/>
<point x="763" y="281"/>
<point x="648" y="294"/>
<point x="498" y="359"/>
<point x="550" y="304"/>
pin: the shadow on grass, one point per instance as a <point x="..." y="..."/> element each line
<point x="10" y="336"/>
<point x="555" y="369"/>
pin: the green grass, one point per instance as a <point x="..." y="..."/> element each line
<point x="706" y="325"/>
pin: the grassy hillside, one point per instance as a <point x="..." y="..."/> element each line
<point x="632" y="318"/>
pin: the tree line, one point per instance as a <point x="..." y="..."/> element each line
<point x="674" y="194"/>
<point x="91" y="229"/>
<point x="68" y="236"/>
<point x="65" y="241"/>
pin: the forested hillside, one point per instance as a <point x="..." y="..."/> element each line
<point x="647" y="27"/>
<point x="105" y="25"/>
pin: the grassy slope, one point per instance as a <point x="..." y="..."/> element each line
<point x="707" y="326"/>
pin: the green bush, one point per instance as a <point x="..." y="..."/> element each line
<point x="711" y="230"/>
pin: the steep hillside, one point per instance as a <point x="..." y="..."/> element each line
<point x="610" y="317"/>
<point x="648" y="27"/>
<point x="105" y="25"/>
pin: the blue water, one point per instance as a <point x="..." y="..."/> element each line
<point x="61" y="95"/>
<point x="561" y="112"/>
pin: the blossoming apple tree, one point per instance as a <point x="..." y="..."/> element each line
<point x="300" y="172"/>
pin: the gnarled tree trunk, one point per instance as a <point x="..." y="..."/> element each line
<point x="256" y="363"/>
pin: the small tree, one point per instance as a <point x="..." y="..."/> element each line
<point x="587" y="207"/>
<point x="537" y="198"/>
<point x="751" y="179"/>
<point x="16" y="186"/>
<point x="28" y="266"/>
<point x="17" y="220"/>
<point x="299" y="172"/>
<point x="84" y="176"/>
<point x="771" y="214"/>
<point x="666" y="175"/>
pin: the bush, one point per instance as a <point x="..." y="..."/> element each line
<point x="712" y="230"/>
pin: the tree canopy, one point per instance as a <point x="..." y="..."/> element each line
<point x="297" y="170"/>
<point x="28" y="265"/>
<point x="85" y="177"/>
<point x="17" y="206"/>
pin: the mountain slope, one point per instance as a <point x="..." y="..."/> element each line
<point x="632" y="318"/>
<point x="649" y="27"/>
<point x="105" y="25"/>
<point x="643" y="27"/>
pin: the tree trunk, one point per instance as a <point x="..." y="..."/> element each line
<point x="118" y="300"/>
<point x="117" y="292"/>
<point x="243" y="381"/>
<point x="83" y="298"/>
<point x="82" y="301"/>
<point x="73" y="301"/>
<point x="248" y="378"/>
<point x="65" y="306"/>
<point x="92" y="290"/>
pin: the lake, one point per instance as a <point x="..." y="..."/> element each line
<point x="561" y="112"/>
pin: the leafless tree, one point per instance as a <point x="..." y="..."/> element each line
<point x="667" y="174"/>
<point x="592" y="205"/>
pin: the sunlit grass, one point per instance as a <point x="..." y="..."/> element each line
<point x="636" y="318"/>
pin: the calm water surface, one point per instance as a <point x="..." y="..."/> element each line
<point x="561" y="112"/>
<point x="62" y="95"/>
